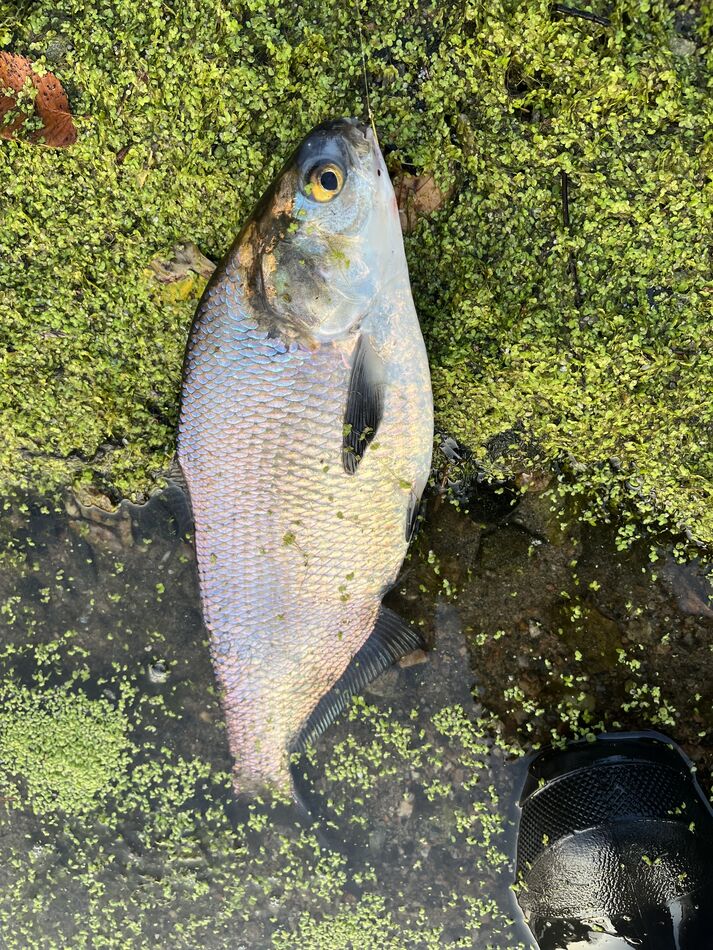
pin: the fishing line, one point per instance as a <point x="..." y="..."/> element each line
<point x="363" y="66"/>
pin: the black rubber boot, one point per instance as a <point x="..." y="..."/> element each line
<point x="615" y="847"/>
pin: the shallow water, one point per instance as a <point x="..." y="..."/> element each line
<point x="540" y="629"/>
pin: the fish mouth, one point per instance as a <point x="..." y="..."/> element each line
<point x="365" y="128"/>
<point x="377" y="157"/>
<point x="343" y="124"/>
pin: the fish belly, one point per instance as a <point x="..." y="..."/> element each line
<point x="294" y="554"/>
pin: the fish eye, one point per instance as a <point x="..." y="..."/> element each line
<point x="325" y="182"/>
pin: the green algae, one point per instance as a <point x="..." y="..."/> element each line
<point x="580" y="344"/>
<point x="58" y="749"/>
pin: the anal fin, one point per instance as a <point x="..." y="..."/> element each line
<point x="390" y="640"/>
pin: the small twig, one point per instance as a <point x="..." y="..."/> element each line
<point x="564" y="181"/>
<point x="572" y="264"/>
<point x="581" y="14"/>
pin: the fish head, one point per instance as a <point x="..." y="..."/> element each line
<point x="325" y="238"/>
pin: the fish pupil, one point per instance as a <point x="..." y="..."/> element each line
<point x="328" y="181"/>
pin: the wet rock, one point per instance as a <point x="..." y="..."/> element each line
<point x="690" y="585"/>
<point x="537" y="480"/>
<point x="539" y="514"/>
<point x="86" y="497"/>
<point x="384" y="685"/>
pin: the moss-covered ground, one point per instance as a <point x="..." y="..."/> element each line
<point x="577" y="340"/>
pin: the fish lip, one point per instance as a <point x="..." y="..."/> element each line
<point x="361" y="133"/>
<point x="350" y="124"/>
<point x="378" y="156"/>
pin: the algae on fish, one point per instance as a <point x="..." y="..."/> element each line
<point x="578" y="342"/>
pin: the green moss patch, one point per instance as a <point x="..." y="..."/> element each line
<point x="578" y="342"/>
<point x="60" y="749"/>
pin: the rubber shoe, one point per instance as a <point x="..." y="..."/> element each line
<point x="615" y="847"/>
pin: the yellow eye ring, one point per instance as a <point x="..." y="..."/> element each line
<point x="325" y="182"/>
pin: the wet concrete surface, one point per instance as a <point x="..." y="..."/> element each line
<point x="569" y="630"/>
<point x="541" y="627"/>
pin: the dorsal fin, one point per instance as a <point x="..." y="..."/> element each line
<point x="390" y="640"/>
<point x="365" y="403"/>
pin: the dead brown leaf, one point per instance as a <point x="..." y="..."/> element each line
<point x="417" y="196"/>
<point x="50" y="103"/>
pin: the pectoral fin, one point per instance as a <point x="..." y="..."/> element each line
<point x="412" y="513"/>
<point x="390" y="640"/>
<point x="365" y="403"/>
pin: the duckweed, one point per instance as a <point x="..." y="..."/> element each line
<point x="59" y="750"/>
<point x="136" y="842"/>
<point x="573" y="337"/>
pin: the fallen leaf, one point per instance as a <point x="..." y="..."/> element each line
<point x="184" y="274"/>
<point x="186" y="257"/>
<point x="415" y="658"/>
<point x="24" y="92"/>
<point x="417" y="196"/>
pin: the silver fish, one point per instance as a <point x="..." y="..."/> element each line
<point x="305" y="439"/>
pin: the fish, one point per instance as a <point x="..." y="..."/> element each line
<point x="305" y="440"/>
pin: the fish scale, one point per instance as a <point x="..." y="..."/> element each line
<point x="294" y="553"/>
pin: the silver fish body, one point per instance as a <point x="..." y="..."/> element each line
<point x="296" y="546"/>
